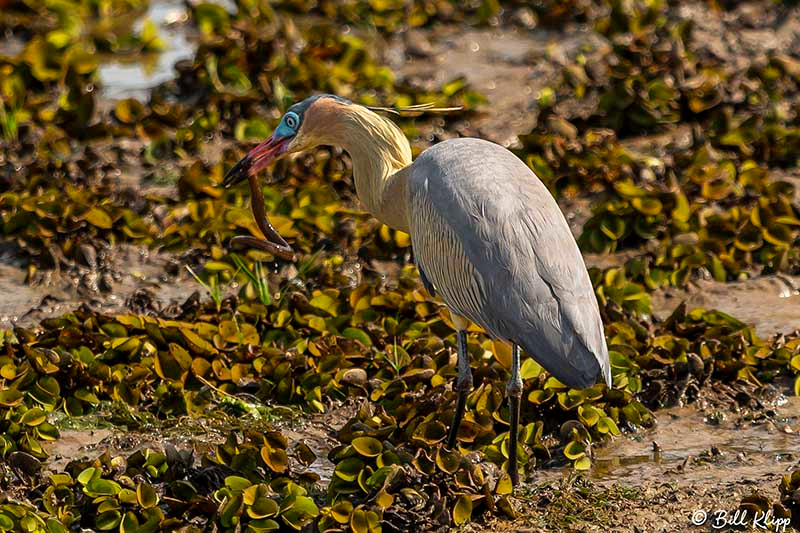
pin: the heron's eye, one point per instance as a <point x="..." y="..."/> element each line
<point x="292" y="120"/>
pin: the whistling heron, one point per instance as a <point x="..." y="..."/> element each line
<point x="487" y="236"/>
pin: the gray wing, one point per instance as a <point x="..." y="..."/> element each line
<point x="492" y="241"/>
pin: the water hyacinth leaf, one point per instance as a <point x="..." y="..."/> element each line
<point x="97" y="217"/>
<point x="502" y="352"/>
<point x="358" y="521"/>
<point x="304" y="454"/>
<point x="146" y="496"/>
<point x="88" y="475"/>
<point x="33" y="417"/>
<point x="230" y="509"/>
<point x="448" y="460"/>
<point x="237" y="483"/>
<point x="349" y="469"/>
<point x="197" y="344"/>
<point x="128" y="496"/>
<point x="341" y="511"/>
<point x="582" y="464"/>
<point x="275" y="458"/>
<point x="647" y="205"/>
<point x="607" y="425"/>
<point x="357" y="334"/>
<point x="130" y="523"/>
<point x="167" y="367"/>
<point x="540" y="396"/>
<point x="462" y="511"/>
<point x="10" y="397"/>
<point x="302" y="512"/>
<point x="252" y="130"/>
<point x="263" y="507"/>
<point x="612" y="227"/>
<point x="431" y="432"/>
<point x="128" y="111"/>
<point x="504" y="485"/>
<point x="574" y="450"/>
<point x="263" y="525"/>
<point x="101" y="487"/>
<point x="383" y="499"/>
<point x="108" y="520"/>
<point x="54" y="526"/>
<point x="589" y="415"/>
<point x="47" y="431"/>
<point x="367" y="446"/>
<point x="61" y="479"/>
<point x="180" y="356"/>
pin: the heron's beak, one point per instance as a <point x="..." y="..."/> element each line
<point x="256" y="160"/>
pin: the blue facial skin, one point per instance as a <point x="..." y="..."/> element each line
<point x="288" y="125"/>
<point x="290" y="122"/>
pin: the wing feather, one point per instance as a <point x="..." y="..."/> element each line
<point x="493" y="242"/>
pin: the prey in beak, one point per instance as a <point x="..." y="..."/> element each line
<point x="248" y="167"/>
<point x="256" y="160"/>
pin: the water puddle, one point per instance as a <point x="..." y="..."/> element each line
<point x="686" y="443"/>
<point x="769" y="303"/>
<point x="134" y="78"/>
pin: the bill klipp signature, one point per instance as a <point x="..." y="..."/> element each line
<point x="720" y="519"/>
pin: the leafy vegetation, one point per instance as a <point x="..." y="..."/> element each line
<point x="703" y="202"/>
<point x="336" y="327"/>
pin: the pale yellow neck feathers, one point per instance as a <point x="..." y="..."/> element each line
<point x="379" y="151"/>
<point x="380" y="154"/>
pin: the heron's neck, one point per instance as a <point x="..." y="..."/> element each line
<point x="381" y="156"/>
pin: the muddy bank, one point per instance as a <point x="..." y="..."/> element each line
<point x="702" y="457"/>
<point x="124" y="278"/>
<point x="509" y="67"/>
<point x="654" y="481"/>
<point x="770" y="303"/>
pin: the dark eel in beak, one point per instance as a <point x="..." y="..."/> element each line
<point x="248" y="167"/>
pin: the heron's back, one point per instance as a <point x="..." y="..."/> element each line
<point x="491" y="239"/>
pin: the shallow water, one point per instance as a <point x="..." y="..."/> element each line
<point x="134" y="79"/>
<point x="690" y="444"/>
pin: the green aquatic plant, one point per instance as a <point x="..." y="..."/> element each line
<point x="350" y="321"/>
<point x="9" y="121"/>
<point x="211" y="286"/>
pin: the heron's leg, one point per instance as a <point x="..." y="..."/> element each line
<point x="514" y="392"/>
<point x="463" y="381"/>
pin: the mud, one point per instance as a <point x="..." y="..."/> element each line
<point x="508" y="67"/>
<point x="695" y="459"/>
<point x="770" y="303"/>
<point x="125" y="278"/>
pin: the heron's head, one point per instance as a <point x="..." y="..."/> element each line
<point x="305" y="125"/>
